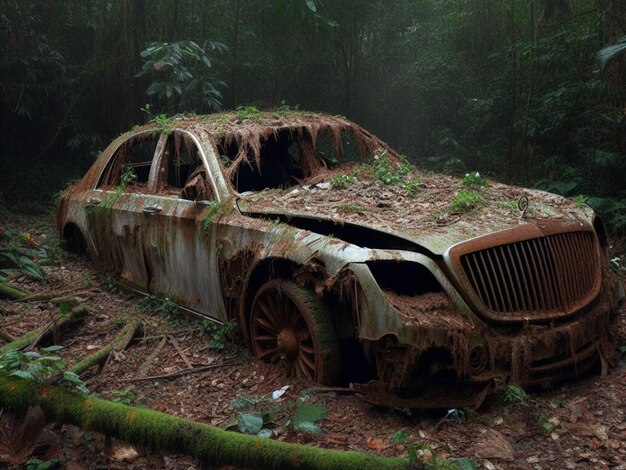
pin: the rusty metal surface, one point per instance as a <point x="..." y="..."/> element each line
<point x="212" y="259"/>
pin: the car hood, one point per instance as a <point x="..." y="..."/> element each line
<point x="426" y="219"/>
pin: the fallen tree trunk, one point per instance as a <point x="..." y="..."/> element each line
<point x="162" y="432"/>
<point x="119" y="343"/>
<point x="10" y="292"/>
<point x="35" y="336"/>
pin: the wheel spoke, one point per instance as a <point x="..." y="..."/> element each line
<point x="269" y="314"/>
<point x="307" y="373"/>
<point x="265" y="338"/>
<point x="266" y="324"/>
<point x="307" y="348"/>
<point x="268" y="352"/>
<point x="308" y="361"/>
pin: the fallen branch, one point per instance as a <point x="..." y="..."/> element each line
<point x="143" y="370"/>
<point x="166" y="433"/>
<point x="10" y="292"/>
<point x="180" y="352"/>
<point x="119" y="343"/>
<point x="180" y="373"/>
<point x="34" y="337"/>
<point x="48" y="295"/>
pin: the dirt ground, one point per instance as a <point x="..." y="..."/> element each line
<point x="573" y="425"/>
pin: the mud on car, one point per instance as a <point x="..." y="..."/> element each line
<point x="341" y="262"/>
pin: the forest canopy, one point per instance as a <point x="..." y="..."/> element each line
<point x="514" y="89"/>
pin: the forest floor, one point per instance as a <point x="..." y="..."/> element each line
<point x="574" y="425"/>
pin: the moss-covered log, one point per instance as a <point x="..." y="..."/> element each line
<point x="10" y="292"/>
<point x="119" y="343"/>
<point x="77" y="314"/>
<point x="167" y="433"/>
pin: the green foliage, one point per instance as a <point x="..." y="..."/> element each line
<point x="18" y="256"/>
<point x="387" y="172"/>
<point x="249" y="112"/>
<point x="474" y="180"/>
<point x="259" y="415"/>
<point x="182" y="74"/>
<point x="510" y="205"/>
<point x="342" y="181"/>
<point x="128" y="396"/>
<point x="37" y="464"/>
<point x="39" y="367"/>
<point x="412" y="187"/>
<point x="516" y="396"/>
<point x="159" y="306"/>
<point x="466" y="200"/>
<point x="215" y="209"/>
<point x="220" y="335"/>
<point x="400" y="437"/>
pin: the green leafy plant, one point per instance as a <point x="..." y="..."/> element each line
<point x="508" y="205"/>
<point x="155" y="305"/>
<point x="516" y="396"/>
<point x="580" y="201"/>
<point x="466" y="200"/>
<point x="259" y="415"/>
<point x="388" y="172"/>
<point x="248" y="112"/>
<point x="400" y="437"/>
<point x="215" y="209"/>
<point x="182" y="74"/>
<point x="37" y="464"/>
<point x="412" y="187"/>
<point x="40" y="367"/>
<point x="18" y="256"/>
<point x="128" y="396"/>
<point x="474" y="180"/>
<point x="219" y="335"/>
<point x="342" y="181"/>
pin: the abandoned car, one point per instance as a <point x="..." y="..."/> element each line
<point x="342" y="262"/>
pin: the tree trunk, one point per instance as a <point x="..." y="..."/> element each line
<point x="166" y="433"/>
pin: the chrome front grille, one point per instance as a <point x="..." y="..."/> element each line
<point x="555" y="274"/>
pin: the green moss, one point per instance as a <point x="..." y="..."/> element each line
<point x="169" y="434"/>
<point x="351" y="209"/>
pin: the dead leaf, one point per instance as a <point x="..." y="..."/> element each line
<point x="378" y="444"/>
<point x="492" y="445"/>
<point x="18" y="437"/>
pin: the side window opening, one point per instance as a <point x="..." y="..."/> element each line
<point x="182" y="172"/>
<point x="285" y="160"/>
<point x="130" y="165"/>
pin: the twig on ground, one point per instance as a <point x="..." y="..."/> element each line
<point x="143" y="370"/>
<point x="180" y="352"/>
<point x="180" y="373"/>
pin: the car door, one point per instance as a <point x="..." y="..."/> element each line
<point x="116" y="208"/>
<point x="179" y="248"/>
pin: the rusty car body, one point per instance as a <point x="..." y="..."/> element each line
<point x="342" y="262"/>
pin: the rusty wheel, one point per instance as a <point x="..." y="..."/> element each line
<point x="291" y="326"/>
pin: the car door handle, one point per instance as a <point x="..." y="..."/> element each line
<point x="93" y="201"/>
<point x="152" y="210"/>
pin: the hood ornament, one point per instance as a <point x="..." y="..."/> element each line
<point x="522" y="206"/>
